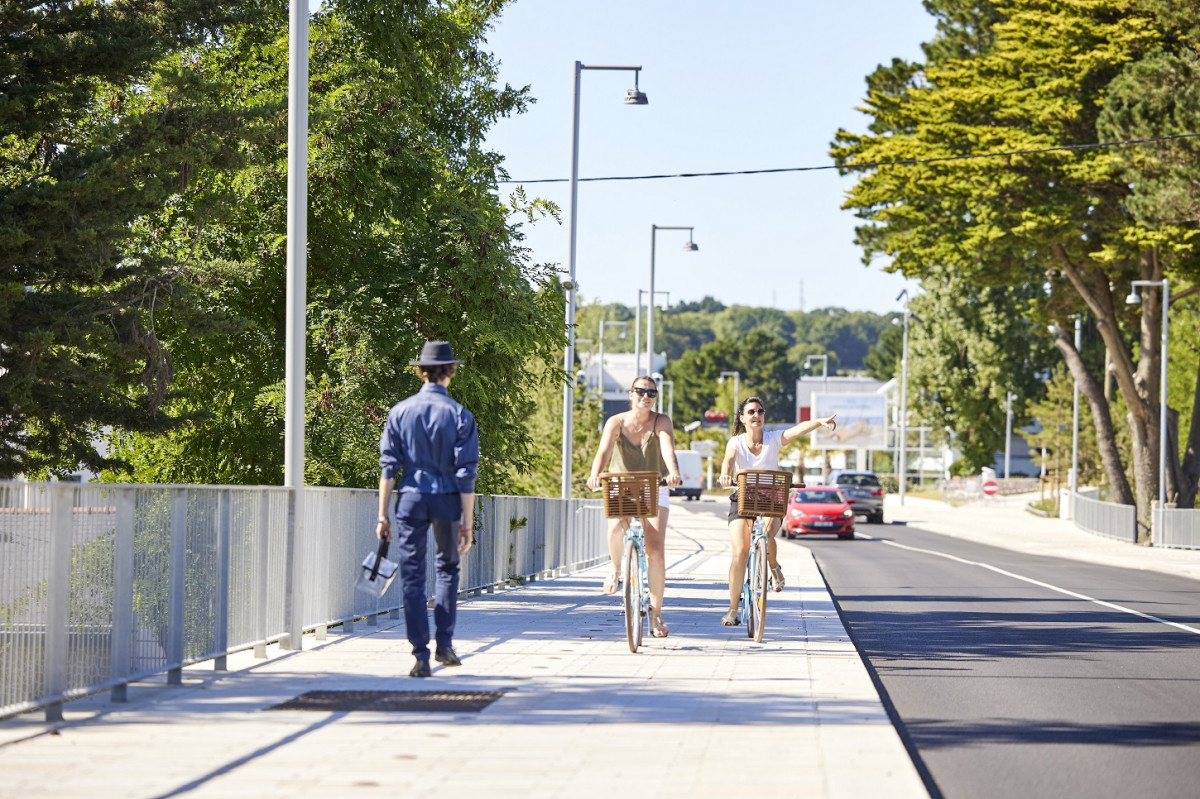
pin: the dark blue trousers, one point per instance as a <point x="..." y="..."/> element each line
<point x="415" y="515"/>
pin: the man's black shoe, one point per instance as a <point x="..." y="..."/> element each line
<point x="447" y="657"/>
<point x="420" y="669"/>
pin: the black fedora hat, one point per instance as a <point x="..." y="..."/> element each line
<point x="435" y="353"/>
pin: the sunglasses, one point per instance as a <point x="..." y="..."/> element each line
<point x="755" y="412"/>
<point x="645" y="392"/>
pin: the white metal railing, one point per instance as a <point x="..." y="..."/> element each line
<point x="1107" y="519"/>
<point x="1176" y="528"/>
<point x="104" y="584"/>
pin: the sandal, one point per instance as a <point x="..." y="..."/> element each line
<point x="777" y="581"/>
<point x="612" y="583"/>
<point x="730" y="619"/>
<point x="658" y="627"/>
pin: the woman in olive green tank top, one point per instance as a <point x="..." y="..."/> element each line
<point x="640" y="440"/>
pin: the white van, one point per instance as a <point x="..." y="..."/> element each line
<point x="691" y="471"/>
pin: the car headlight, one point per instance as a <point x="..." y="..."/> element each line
<point x="797" y="513"/>
<point x="847" y="514"/>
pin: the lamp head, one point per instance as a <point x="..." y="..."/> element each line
<point x="635" y="96"/>
<point x="690" y="246"/>
<point x="1134" y="297"/>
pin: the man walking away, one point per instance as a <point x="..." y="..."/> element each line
<point x="430" y="441"/>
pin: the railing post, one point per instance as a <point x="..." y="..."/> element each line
<point x="221" y="600"/>
<point x="293" y="595"/>
<point x="262" y="572"/>
<point x="176" y="585"/>
<point x="58" y="599"/>
<point x="122" y="626"/>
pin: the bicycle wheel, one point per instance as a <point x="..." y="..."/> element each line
<point x="758" y="589"/>
<point x="748" y="596"/>
<point x="633" y="597"/>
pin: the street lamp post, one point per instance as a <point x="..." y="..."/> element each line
<point x="736" y="385"/>
<point x="632" y="97"/>
<point x="1074" y="476"/>
<point x="1008" y="419"/>
<point x="689" y="247"/>
<point x="637" y="329"/>
<point x="600" y="376"/>
<point x="901" y="449"/>
<point x="296" y="323"/>
<point x="670" y="386"/>
<point x="582" y="374"/>
<point x="1135" y="298"/>
<point x="824" y="359"/>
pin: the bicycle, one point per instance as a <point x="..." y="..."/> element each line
<point x="633" y="496"/>
<point x="763" y="494"/>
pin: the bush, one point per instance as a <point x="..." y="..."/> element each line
<point x="889" y="483"/>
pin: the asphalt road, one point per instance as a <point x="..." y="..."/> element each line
<point x="1017" y="675"/>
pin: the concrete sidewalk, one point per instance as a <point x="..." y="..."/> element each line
<point x="1004" y="522"/>
<point x="705" y="712"/>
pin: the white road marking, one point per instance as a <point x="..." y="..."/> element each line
<point x="1031" y="581"/>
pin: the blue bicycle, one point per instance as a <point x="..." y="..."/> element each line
<point x="762" y="494"/>
<point x="633" y="496"/>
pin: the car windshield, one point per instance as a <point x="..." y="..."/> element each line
<point x="858" y="480"/>
<point x="831" y="497"/>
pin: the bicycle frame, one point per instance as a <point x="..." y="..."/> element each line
<point x="753" y="609"/>
<point x="636" y="598"/>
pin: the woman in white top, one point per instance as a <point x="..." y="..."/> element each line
<point x="751" y="448"/>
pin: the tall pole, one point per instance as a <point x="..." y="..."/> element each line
<point x="1162" y="404"/>
<point x="903" y="454"/>
<point x="1075" y="422"/>
<point x="570" y="285"/>
<point x="736" y="386"/>
<point x="650" y="305"/>
<point x="569" y="354"/>
<point x="296" y="324"/>
<point x="637" y="337"/>
<point x="600" y="368"/>
<point x="1008" y="418"/>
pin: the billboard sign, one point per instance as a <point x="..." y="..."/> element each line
<point x="861" y="421"/>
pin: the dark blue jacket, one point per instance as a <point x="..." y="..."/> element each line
<point x="431" y="442"/>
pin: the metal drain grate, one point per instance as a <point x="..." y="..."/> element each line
<point x="392" y="701"/>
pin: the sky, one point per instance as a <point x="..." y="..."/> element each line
<point x="757" y="84"/>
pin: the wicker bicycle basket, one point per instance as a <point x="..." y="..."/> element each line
<point x="630" y="494"/>
<point x="762" y="492"/>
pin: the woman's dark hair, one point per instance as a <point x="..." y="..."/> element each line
<point x="436" y="373"/>
<point x="738" y="426"/>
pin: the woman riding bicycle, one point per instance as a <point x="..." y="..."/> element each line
<point x="640" y="440"/>
<point x="751" y="448"/>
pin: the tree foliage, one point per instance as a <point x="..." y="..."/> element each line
<point x="1027" y="77"/>
<point x="102" y="124"/>
<point x="407" y="241"/>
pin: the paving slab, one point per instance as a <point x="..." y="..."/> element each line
<point x="703" y="712"/>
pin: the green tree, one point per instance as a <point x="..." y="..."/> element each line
<point x="1058" y="218"/>
<point x="407" y="241"/>
<point x="100" y="126"/>
<point x="764" y="371"/>
<point x="1055" y="412"/>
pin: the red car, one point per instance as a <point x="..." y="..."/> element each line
<point x="818" y="509"/>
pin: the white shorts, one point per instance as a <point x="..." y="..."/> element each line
<point x="664" y="496"/>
